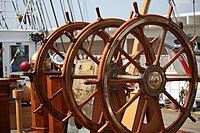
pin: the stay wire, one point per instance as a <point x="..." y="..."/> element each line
<point x="63" y="11"/>
<point x="81" y="13"/>
<point x="16" y="8"/>
<point x="41" y="20"/>
<point x="56" y="20"/>
<point x="42" y="13"/>
<point x="46" y="12"/>
<point x="172" y="3"/>
<point x="70" y="10"/>
<point x="26" y="14"/>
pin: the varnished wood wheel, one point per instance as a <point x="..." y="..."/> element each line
<point x="49" y="62"/>
<point x="80" y="72"/>
<point x="144" y="76"/>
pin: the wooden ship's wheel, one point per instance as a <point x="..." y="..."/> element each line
<point x="138" y="91"/>
<point x="49" y="62"/>
<point x="109" y="88"/>
<point x="80" y="71"/>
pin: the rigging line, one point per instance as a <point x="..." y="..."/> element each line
<point x="45" y="8"/>
<point x="26" y="14"/>
<point x="73" y="12"/>
<point x="31" y="15"/>
<point x="86" y="10"/>
<point x="42" y="12"/>
<point x="70" y="10"/>
<point x="41" y="20"/>
<point x="172" y="3"/>
<point x="54" y="13"/>
<point x="1" y="23"/>
<point x="2" y="16"/>
<point x="80" y="10"/>
<point x="83" y="7"/>
<point x="64" y="5"/>
<point x="56" y="20"/>
<point x="14" y="5"/>
<point x="17" y="7"/>
<point x="36" y="15"/>
<point x="62" y="8"/>
<point x="194" y="15"/>
<point x="17" y="12"/>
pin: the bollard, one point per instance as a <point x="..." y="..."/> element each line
<point x="17" y="95"/>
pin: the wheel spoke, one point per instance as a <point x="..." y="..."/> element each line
<point x="149" y="52"/>
<point x="173" y="100"/>
<point x="118" y="59"/>
<point x="178" y="77"/>
<point x="90" y="44"/>
<point x="88" y="98"/>
<point x="90" y="55"/>
<point x="55" y="94"/>
<point x="159" y="113"/>
<point x="140" y="68"/>
<point x="127" y="104"/>
<point x="143" y="113"/>
<point x="135" y="56"/>
<point x="123" y="81"/>
<point x="84" y="76"/>
<point x="57" y="52"/>
<point x="70" y="36"/>
<point x="104" y="35"/>
<point x="161" y="46"/>
<point x="173" y="59"/>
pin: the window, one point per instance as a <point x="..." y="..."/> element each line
<point x="19" y="53"/>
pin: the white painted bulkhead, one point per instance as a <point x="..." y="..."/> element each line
<point x="10" y="38"/>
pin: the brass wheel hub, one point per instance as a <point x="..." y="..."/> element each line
<point x="153" y="80"/>
<point x="116" y="69"/>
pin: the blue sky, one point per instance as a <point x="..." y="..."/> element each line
<point x="108" y="8"/>
<point x="122" y="8"/>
